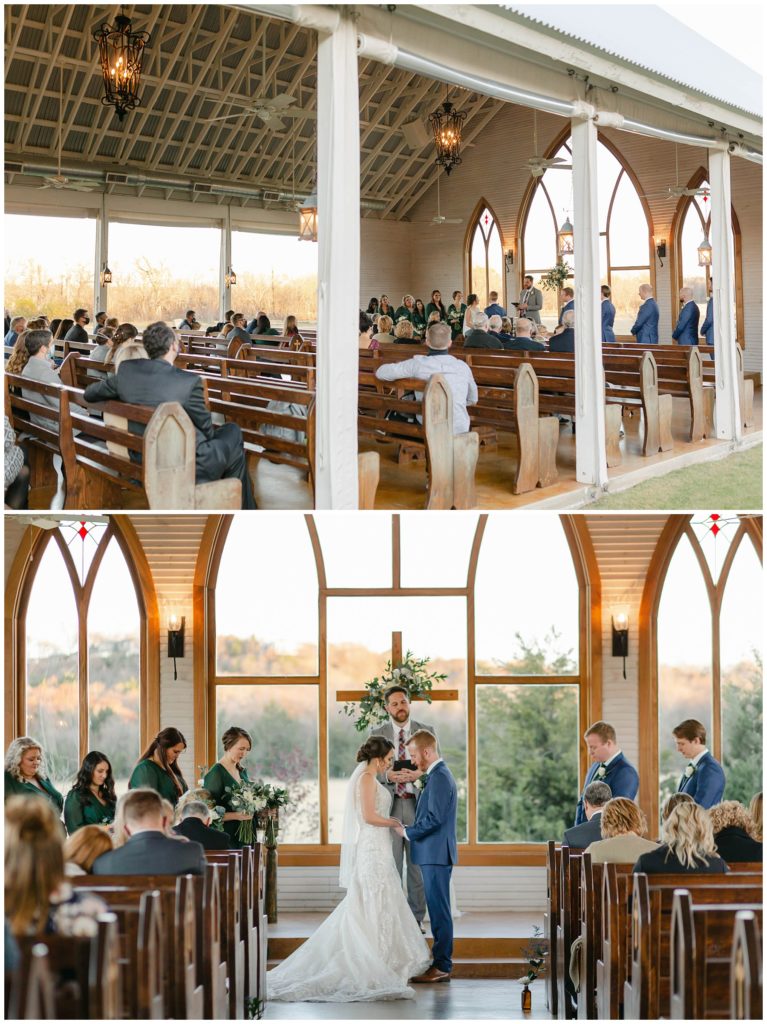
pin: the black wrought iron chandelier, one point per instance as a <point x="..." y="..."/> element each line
<point x="447" y="125"/>
<point x="121" y="52"/>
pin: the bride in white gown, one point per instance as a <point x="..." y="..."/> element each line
<point x="371" y="944"/>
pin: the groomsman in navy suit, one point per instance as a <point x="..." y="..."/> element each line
<point x="608" y="317"/>
<point x="707" y="327"/>
<point x="645" y="328"/>
<point x="610" y="766"/>
<point x="434" y="846"/>
<point x="686" y="330"/>
<point x="703" y="778"/>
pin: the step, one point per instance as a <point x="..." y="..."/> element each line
<point x="507" y="968"/>
<point x="474" y="948"/>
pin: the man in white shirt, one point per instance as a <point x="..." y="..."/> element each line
<point x="456" y="373"/>
<point x="401" y="784"/>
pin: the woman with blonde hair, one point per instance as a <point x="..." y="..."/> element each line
<point x="623" y="826"/>
<point x="755" y="809"/>
<point x="25" y="772"/>
<point x="688" y="845"/>
<point x="403" y="332"/>
<point x="38" y="900"/>
<point x="406" y="310"/>
<point x="734" y="833"/>
<point x="19" y="356"/>
<point x="82" y="849"/>
<point x="384" y="332"/>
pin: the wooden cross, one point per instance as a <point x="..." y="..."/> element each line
<point x="396" y="662"/>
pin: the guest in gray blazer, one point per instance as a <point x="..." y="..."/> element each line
<point x="148" y="851"/>
<point x="401" y="784"/>
<point x="39" y="367"/>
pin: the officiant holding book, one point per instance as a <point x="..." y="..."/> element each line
<point x="401" y="783"/>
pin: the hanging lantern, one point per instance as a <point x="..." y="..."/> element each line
<point x="307" y="212"/>
<point x="121" y="53"/>
<point x="447" y="125"/>
<point x="565" y="246"/>
<point x="231" y="278"/>
<point x="106" y="275"/>
<point x="704" y="252"/>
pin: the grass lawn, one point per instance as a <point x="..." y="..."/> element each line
<point x="731" y="483"/>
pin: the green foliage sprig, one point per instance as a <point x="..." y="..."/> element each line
<point x="411" y="675"/>
<point x="535" y="953"/>
<point x="554" y="280"/>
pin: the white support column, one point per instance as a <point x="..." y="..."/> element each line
<point x="338" y="214"/>
<point x="225" y="261"/>
<point x="100" y="291"/>
<point x="729" y="423"/>
<point x="590" y="453"/>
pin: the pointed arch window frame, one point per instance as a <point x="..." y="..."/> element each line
<point x="18" y="592"/>
<point x="475" y="224"/>
<point x="677" y="527"/>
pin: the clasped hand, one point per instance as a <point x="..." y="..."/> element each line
<point x="398" y="827"/>
<point x="403" y="775"/>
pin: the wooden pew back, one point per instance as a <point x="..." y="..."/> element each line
<point x="746" y="968"/>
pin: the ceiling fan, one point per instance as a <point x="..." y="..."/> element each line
<point x="677" y="191"/>
<point x="538" y="165"/>
<point x="270" y="110"/>
<point x="438" y="218"/>
<point x="60" y="180"/>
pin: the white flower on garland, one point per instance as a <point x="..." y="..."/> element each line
<point x="689" y="771"/>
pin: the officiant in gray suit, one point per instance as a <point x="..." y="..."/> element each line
<point x="401" y="784"/>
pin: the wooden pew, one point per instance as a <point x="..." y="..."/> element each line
<point x="42" y="440"/>
<point x="647" y="989"/>
<point x="591" y="931"/>
<point x="567" y="928"/>
<point x="550" y="918"/>
<point x="746" y="968"/>
<point x="31" y="994"/>
<point x="701" y="956"/>
<point x="612" y="959"/>
<point x="232" y="931"/>
<point x="451" y="459"/>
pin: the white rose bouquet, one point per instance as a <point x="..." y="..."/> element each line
<point x="247" y="798"/>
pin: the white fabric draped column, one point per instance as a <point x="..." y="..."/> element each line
<point x="590" y="453"/>
<point x="729" y="423"/>
<point x="100" y="292"/>
<point x="225" y="261"/>
<point x="338" y="213"/>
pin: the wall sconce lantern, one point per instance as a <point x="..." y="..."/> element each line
<point x="307" y="226"/>
<point x="105" y="275"/>
<point x="176" y="625"/>
<point x="231" y="278"/>
<point x="704" y="253"/>
<point x="565" y="241"/>
<point x="660" y="249"/>
<point x="509" y="258"/>
<point x="620" y="622"/>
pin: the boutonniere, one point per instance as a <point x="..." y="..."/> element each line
<point x="690" y="771"/>
<point x="421" y="783"/>
<point x="600" y="772"/>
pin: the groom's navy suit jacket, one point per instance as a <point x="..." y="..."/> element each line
<point x="622" y="778"/>
<point x="433" y="834"/>
<point x="706" y="785"/>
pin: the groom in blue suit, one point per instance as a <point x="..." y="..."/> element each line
<point x="609" y="766"/>
<point x="703" y="778"/>
<point x="433" y="846"/>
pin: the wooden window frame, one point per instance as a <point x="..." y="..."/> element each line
<point x="588" y="678"/>
<point x="475" y="223"/>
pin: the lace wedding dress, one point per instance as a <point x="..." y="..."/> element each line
<point x="370" y="945"/>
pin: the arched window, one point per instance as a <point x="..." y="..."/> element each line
<point x="709" y="658"/>
<point x="82" y="630"/>
<point x="624" y="230"/>
<point x="360" y="592"/>
<point x="692" y="222"/>
<point x="485" y="251"/>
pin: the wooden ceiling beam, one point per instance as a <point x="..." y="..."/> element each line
<point x="37" y="92"/>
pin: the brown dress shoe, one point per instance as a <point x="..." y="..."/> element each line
<point x="434" y="974"/>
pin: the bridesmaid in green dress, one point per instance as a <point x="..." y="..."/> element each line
<point x="25" y="772"/>
<point x="227" y="771"/>
<point x="455" y="313"/>
<point x="436" y="305"/>
<point x="92" y="799"/>
<point x="158" y="766"/>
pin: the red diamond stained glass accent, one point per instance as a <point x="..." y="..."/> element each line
<point x="83" y="531"/>
<point x="715" y="529"/>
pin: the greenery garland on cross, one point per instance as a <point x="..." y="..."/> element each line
<point x="411" y="673"/>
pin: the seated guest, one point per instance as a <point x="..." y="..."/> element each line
<point x="38" y="900"/>
<point x="16" y="471"/>
<point x="18" y="359"/>
<point x="263" y="325"/>
<point x="645" y="328"/>
<point x="672" y="802"/>
<point x="372" y="309"/>
<point x="92" y="800"/>
<point x="455" y="314"/>
<point x="147" y="850"/>
<point x="238" y="331"/>
<point x="420" y="319"/>
<point x="190" y="322"/>
<point x="25" y="773"/>
<point x="101" y="319"/>
<point x="366" y="331"/>
<point x="569" y="296"/>
<point x="290" y="327"/>
<point x="18" y="324"/>
<point x="158" y="767"/>
<point x="622" y="825"/>
<point x="608" y="317"/>
<point x="703" y="777"/>
<point x="494" y="309"/>
<point x="195" y="825"/>
<point x="495" y="328"/>
<point x="384" y="332"/>
<point x="595" y="796"/>
<point x="530" y="300"/>
<point x="103" y="339"/>
<point x="436" y="306"/>
<point x="61" y="332"/>
<point x="406" y="310"/>
<point x="688" y="845"/>
<point x="564" y="341"/>
<point x="755" y="810"/>
<point x="40" y="367"/>
<point x="403" y="332"/>
<point x="523" y="340"/>
<point x="507" y="327"/>
<point x="123" y="334"/>
<point x="472" y="310"/>
<point x="130" y="350"/>
<point x="734" y="833"/>
<point x="155" y="380"/>
<point x="686" y="330"/>
<point x="77" y="332"/>
<point x="457" y="374"/>
<point x="82" y="849"/>
<point x="54" y="326"/>
<point x="478" y="336"/>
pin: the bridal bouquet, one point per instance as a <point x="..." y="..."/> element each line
<point x="247" y="798"/>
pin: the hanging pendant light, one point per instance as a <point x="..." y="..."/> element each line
<point x="121" y="53"/>
<point x="447" y="125"/>
<point x="704" y="253"/>
<point x="565" y="243"/>
<point x="307" y="225"/>
<point x="106" y="275"/>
